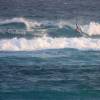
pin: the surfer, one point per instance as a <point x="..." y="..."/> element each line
<point x="78" y="29"/>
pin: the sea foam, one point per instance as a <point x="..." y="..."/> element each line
<point x="23" y="44"/>
<point x="92" y="29"/>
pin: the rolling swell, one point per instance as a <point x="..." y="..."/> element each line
<point x="21" y="27"/>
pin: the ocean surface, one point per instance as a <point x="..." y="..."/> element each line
<point x="42" y="57"/>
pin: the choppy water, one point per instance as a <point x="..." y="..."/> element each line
<point x="42" y="57"/>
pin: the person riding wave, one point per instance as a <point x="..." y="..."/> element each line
<point x="78" y="29"/>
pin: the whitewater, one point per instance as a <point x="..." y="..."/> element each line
<point x="43" y="38"/>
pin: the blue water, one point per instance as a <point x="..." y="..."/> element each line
<point x="42" y="57"/>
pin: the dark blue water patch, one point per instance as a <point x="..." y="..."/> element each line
<point x="18" y="34"/>
<point x="13" y="33"/>
<point x="49" y="95"/>
<point x="13" y="25"/>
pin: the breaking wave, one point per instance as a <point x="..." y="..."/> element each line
<point x="47" y="35"/>
<point x="23" y="44"/>
<point x="28" y="23"/>
<point x="93" y="28"/>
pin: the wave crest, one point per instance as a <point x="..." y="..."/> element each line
<point x="28" y="23"/>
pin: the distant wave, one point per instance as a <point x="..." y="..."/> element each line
<point x="23" y="44"/>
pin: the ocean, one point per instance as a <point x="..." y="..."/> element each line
<point x="42" y="56"/>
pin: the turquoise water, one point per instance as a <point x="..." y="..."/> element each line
<point x="50" y="74"/>
<point x="42" y="57"/>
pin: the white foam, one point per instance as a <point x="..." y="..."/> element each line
<point x="92" y="29"/>
<point x="23" y="44"/>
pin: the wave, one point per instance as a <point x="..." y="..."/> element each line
<point x="45" y="42"/>
<point x="36" y="28"/>
<point x="53" y="28"/>
<point x="28" y="23"/>
<point x="91" y="29"/>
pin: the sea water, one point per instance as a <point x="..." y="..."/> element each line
<point x="42" y="57"/>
